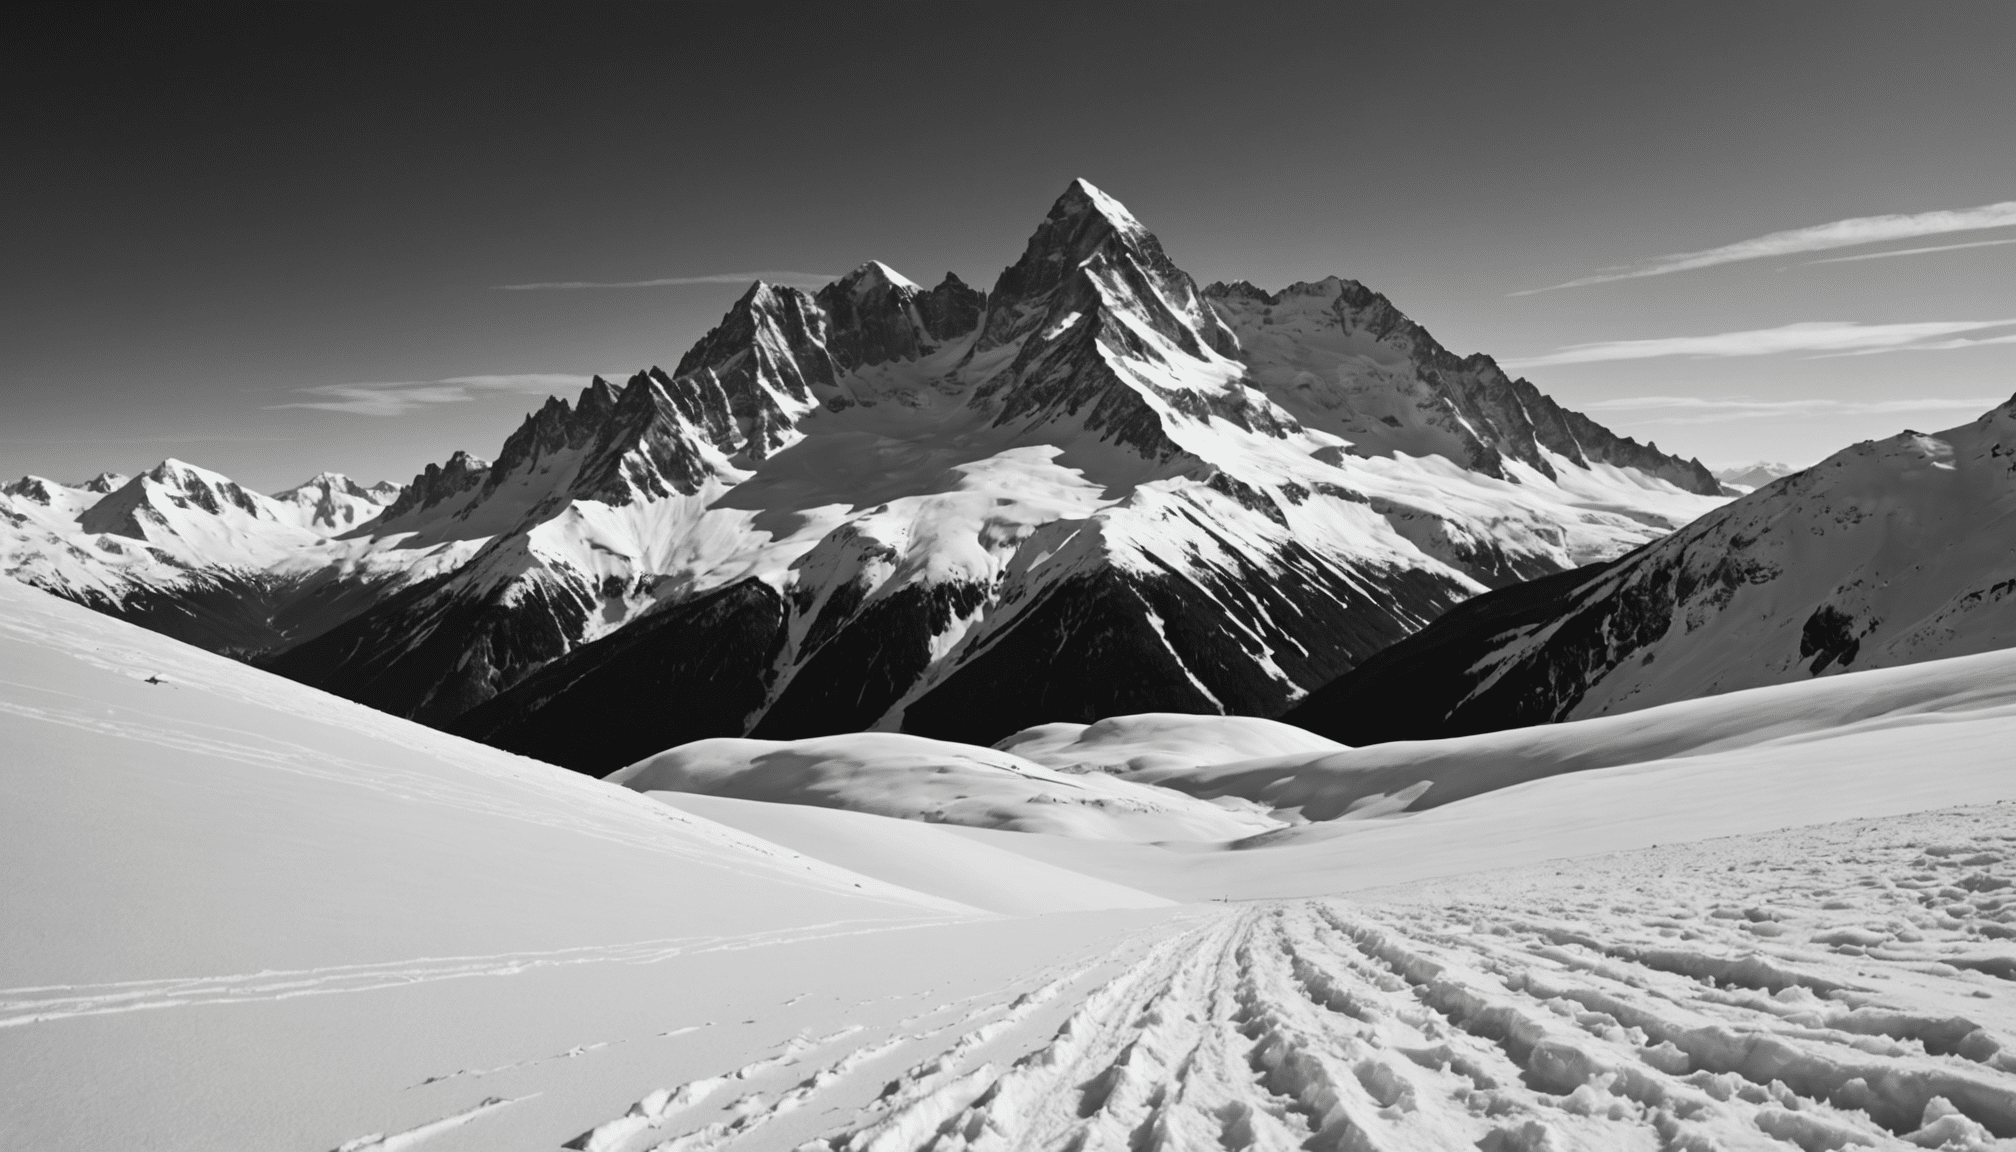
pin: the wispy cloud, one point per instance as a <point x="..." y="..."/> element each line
<point x="1848" y="233"/>
<point x="1819" y="336"/>
<point x="1721" y="409"/>
<point x="397" y="397"/>
<point x="1912" y="251"/>
<point x="793" y="279"/>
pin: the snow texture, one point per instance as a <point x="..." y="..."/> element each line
<point x="254" y="915"/>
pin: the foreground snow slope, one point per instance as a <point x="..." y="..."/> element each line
<point x="257" y="915"/>
<point x="245" y="915"/>
<point x="1835" y="987"/>
<point x="920" y="856"/>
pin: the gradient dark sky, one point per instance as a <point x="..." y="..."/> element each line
<point x="211" y="209"/>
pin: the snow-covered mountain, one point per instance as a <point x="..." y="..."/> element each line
<point x="332" y="502"/>
<point x="1750" y="477"/>
<point x="1889" y="552"/>
<point x="192" y="553"/>
<point x="1095" y="489"/>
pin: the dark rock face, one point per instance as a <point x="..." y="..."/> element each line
<point x="861" y="662"/>
<point x="103" y="483"/>
<point x="1829" y="636"/>
<point x="241" y="615"/>
<point x="952" y="309"/>
<point x="440" y="482"/>
<point x="430" y="655"/>
<point x="1421" y="688"/>
<point x="1113" y="642"/>
<point x="873" y="317"/>
<point x="688" y="672"/>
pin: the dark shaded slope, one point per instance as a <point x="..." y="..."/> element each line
<point x="1114" y="642"/>
<point x="1417" y="688"/>
<point x="695" y="670"/>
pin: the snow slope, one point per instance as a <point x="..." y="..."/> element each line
<point x="1786" y="718"/>
<point x="911" y="778"/>
<point x="244" y="914"/>
<point x="1160" y="740"/>
<point x="1887" y="553"/>
<point x="920" y="856"/>
<point x="204" y="859"/>
<point x="1829" y="988"/>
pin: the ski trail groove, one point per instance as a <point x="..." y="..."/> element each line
<point x="1661" y="1006"/>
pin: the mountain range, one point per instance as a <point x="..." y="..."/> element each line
<point x="1093" y="489"/>
<point x="1888" y="552"/>
<point x="1749" y="477"/>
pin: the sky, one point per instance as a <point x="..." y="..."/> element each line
<point x="275" y="239"/>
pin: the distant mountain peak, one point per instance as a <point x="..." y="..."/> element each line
<point x="103" y="483"/>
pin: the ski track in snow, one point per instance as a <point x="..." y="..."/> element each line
<point x="44" y="1003"/>
<point x="1833" y="987"/>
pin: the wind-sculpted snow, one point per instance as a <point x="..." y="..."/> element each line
<point x="1830" y="717"/>
<point x="892" y="774"/>
<point x="1889" y="552"/>
<point x="1092" y="490"/>
<point x="1163" y="740"/>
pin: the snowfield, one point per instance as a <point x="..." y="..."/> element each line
<point x="241" y="913"/>
<point x="909" y="777"/>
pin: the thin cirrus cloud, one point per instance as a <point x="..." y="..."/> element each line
<point x="1722" y="409"/>
<point x="1836" y="337"/>
<point x="398" y="397"/>
<point x="1849" y="233"/>
<point x="1912" y="251"/>
<point x="793" y="279"/>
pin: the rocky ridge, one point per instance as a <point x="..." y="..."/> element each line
<point x="1093" y="489"/>
<point x="1889" y="552"/>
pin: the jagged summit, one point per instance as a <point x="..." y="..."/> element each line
<point x="333" y="502"/>
<point x="1090" y="253"/>
<point x="1344" y="359"/>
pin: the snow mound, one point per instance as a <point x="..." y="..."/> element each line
<point x="1162" y="740"/>
<point x="912" y="778"/>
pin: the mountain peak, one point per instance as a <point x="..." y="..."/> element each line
<point x="1089" y="230"/>
<point x="104" y="483"/>
<point x="1083" y="197"/>
<point x="875" y="274"/>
